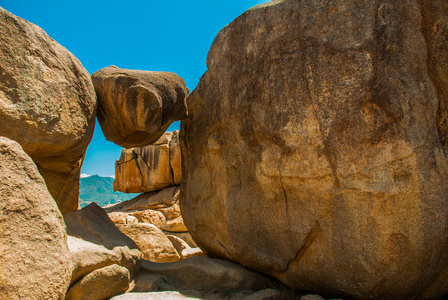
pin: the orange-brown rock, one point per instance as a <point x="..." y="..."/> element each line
<point x="175" y="158"/>
<point x="137" y="107"/>
<point x="315" y="149"/>
<point x="34" y="257"/>
<point x="161" y="199"/>
<point x="144" y="169"/>
<point x="154" y="245"/>
<point x="47" y="105"/>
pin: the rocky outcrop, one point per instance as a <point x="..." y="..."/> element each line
<point x="101" y="284"/>
<point x="47" y="104"/>
<point x="154" y="245"/>
<point x="136" y="107"/>
<point x="34" y="259"/>
<point x="315" y="147"/>
<point x="150" y="168"/>
<point x="205" y="274"/>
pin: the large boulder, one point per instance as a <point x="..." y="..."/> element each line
<point x="136" y="107"/>
<point x="315" y="148"/>
<point x="153" y="243"/>
<point x="87" y="257"/>
<point x="92" y="224"/>
<point x="34" y="259"/>
<point x="149" y="168"/>
<point x="47" y="105"/>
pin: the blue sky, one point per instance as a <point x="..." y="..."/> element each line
<point x="172" y="36"/>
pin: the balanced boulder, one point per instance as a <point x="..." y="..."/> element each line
<point x="315" y="149"/>
<point x="137" y="107"/>
<point x="47" y="105"/>
<point x="34" y="258"/>
<point x="149" y="168"/>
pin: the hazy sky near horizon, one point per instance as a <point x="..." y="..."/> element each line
<point x="172" y="36"/>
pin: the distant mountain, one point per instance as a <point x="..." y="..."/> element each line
<point x="99" y="189"/>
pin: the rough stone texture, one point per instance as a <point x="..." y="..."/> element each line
<point x="267" y="294"/>
<point x="185" y="251"/>
<point x="312" y="297"/>
<point x="47" y="104"/>
<point x="176" y="158"/>
<point x="93" y="225"/>
<point x="122" y="218"/>
<point x="150" y="216"/>
<point x="34" y="258"/>
<point x="152" y="242"/>
<point x="136" y="107"/>
<point x="101" y="284"/>
<point x="174" y="225"/>
<point x="161" y="199"/>
<point x="146" y="282"/>
<point x="144" y="169"/>
<point x="154" y="296"/>
<point x="87" y="257"/>
<point x="208" y="274"/>
<point x="184" y="236"/>
<point x="170" y="212"/>
<point x="316" y="146"/>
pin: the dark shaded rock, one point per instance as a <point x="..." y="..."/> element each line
<point x="34" y="258"/>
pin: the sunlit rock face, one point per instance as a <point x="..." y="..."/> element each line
<point x="315" y="148"/>
<point x="47" y="105"/>
<point x="149" y="168"/>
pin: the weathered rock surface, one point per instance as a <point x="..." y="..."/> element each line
<point x="136" y="107"/>
<point x="175" y="225"/>
<point x="316" y="147"/>
<point x="176" y="158"/>
<point x="34" y="258"/>
<point x="147" y="282"/>
<point x="47" y="104"/>
<point x="122" y="218"/>
<point x="154" y="245"/>
<point x="101" y="284"/>
<point x="207" y="274"/>
<point x="149" y="168"/>
<point x="156" y="200"/>
<point x="150" y="216"/>
<point x="87" y="257"/>
<point x="92" y="224"/>
<point x="154" y="296"/>
<point x="185" y="251"/>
